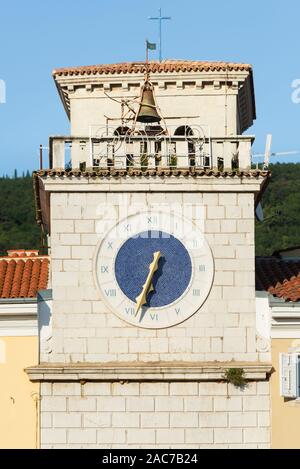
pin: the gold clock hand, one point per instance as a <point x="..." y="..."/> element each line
<point x="147" y="287"/>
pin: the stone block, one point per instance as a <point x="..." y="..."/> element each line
<point x="242" y="419"/>
<point x="140" y="404"/>
<point x="215" y="213"/>
<point x="212" y="389"/>
<point x="228" y="226"/>
<point x="85" y="226"/>
<point x="263" y="419"/>
<point x="245" y="226"/>
<point x="199" y="435"/>
<point x="111" y="436"/>
<point x="74" y="345"/>
<point x="184" y="389"/>
<point x="97" y="420"/>
<point x="140" y="345"/>
<point x="53" y="436"/>
<point x="118" y="345"/>
<point x="229" y="435"/>
<point x="183" y="419"/>
<point x="69" y="239"/>
<point x="198" y="404"/>
<point x="170" y="436"/>
<point x="62" y="226"/>
<point x="81" y="404"/>
<point x="111" y="404"/>
<point x="252" y="403"/>
<point x="169" y="404"/>
<point x="66" y="420"/>
<point x="224" y="252"/>
<point x="224" y="278"/>
<point x="201" y="345"/>
<point x="213" y="420"/>
<point x="212" y="226"/>
<point x="155" y="420"/>
<point x="60" y="252"/>
<point x="159" y="345"/>
<point x="53" y="404"/>
<point x="125" y="420"/>
<point x="228" y="404"/>
<point x="154" y="389"/>
<point x="66" y="389"/>
<point x="86" y="435"/>
<point x="46" y="419"/>
<point x="144" y="436"/>
<point x="256" y="435"/>
<point x="126" y="389"/>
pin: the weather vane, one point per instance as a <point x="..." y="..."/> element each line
<point x="159" y="19"/>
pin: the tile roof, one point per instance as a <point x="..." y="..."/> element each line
<point x="279" y="277"/>
<point x="107" y="172"/>
<point x="22" y="274"/>
<point x="154" y="67"/>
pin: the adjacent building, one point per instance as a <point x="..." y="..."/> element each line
<point x="278" y="312"/>
<point x="22" y="274"/>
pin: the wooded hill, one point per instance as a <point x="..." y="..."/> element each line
<point x="280" y="229"/>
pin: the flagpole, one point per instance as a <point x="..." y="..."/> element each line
<point x="147" y="60"/>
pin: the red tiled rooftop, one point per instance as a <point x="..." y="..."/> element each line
<point x="279" y="277"/>
<point x="22" y="274"/>
<point x="154" y="67"/>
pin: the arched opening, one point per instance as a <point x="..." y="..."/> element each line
<point x="183" y="130"/>
<point x="122" y="130"/>
<point x="186" y="131"/>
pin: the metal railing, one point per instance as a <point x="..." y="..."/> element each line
<point x="112" y="147"/>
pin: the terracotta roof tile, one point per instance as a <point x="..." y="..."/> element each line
<point x="279" y="277"/>
<point x="112" y="172"/>
<point x="23" y="274"/>
<point x="154" y="67"/>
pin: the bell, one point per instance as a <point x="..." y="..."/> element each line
<point x="147" y="111"/>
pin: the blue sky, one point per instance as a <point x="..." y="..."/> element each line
<point x="37" y="36"/>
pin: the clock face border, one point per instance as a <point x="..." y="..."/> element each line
<point x="191" y="299"/>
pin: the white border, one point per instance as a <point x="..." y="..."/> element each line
<point x="189" y="305"/>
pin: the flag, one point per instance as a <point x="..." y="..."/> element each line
<point x="151" y="45"/>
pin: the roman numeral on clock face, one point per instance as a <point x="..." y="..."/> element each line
<point x="110" y="292"/>
<point x="154" y="317"/>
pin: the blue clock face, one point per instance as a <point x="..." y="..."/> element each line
<point x="154" y="269"/>
<point x="172" y="276"/>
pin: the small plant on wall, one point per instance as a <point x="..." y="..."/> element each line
<point x="235" y="376"/>
<point x="144" y="161"/>
<point x="173" y="161"/>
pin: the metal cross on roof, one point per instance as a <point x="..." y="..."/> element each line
<point x="159" y="19"/>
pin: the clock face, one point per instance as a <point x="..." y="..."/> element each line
<point x="154" y="270"/>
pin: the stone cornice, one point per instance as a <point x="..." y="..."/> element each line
<point x="140" y="371"/>
<point x="57" y="180"/>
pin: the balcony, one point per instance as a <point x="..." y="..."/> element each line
<point x="150" y="147"/>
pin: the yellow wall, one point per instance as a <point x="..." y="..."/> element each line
<point x="18" y="413"/>
<point x="285" y="413"/>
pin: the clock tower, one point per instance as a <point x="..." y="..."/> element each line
<point x="149" y="210"/>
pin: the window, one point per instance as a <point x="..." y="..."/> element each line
<point x="289" y="375"/>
